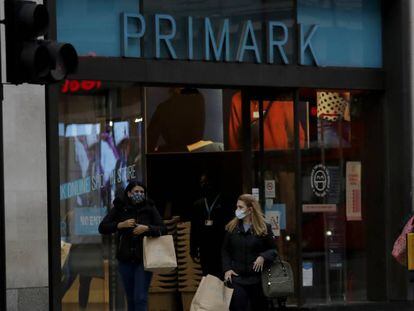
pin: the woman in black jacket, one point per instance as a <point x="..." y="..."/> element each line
<point x="133" y="217"/>
<point x="247" y="247"/>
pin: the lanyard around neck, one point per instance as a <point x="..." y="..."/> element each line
<point x="210" y="208"/>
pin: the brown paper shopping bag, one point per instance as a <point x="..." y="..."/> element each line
<point x="211" y="295"/>
<point x="159" y="254"/>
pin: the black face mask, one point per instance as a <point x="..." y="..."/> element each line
<point x="137" y="198"/>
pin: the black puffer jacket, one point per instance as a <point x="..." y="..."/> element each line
<point x="129" y="246"/>
<point x="240" y="251"/>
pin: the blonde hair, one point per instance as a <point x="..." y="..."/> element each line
<point x="259" y="226"/>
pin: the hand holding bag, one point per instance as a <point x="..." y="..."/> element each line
<point x="399" y="251"/>
<point x="212" y="295"/>
<point x="159" y="254"/>
<point x="277" y="280"/>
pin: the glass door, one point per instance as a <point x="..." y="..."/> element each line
<point x="338" y="167"/>
<point x="100" y="139"/>
<point x="316" y="157"/>
<point x="274" y="160"/>
<point x="323" y="219"/>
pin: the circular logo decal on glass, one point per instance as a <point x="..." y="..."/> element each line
<point x="320" y="180"/>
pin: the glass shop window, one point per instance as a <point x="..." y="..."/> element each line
<point x="185" y="119"/>
<point x="100" y="139"/>
<point x="341" y="174"/>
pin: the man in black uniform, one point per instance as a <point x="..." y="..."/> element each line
<point x="209" y="218"/>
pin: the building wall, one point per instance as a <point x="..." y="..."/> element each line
<point x="25" y="197"/>
<point x="26" y="194"/>
<point x="411" y="96"/>
<point x="411" y="86"/>
<point x="398" y="126"/>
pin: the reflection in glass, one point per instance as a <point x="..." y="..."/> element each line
<point x="100" y="151"/>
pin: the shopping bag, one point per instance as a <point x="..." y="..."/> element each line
<point x="399" y="251"/>
<point x="64" y="252"/>
<point x="211" y="295"/>
<point x="159" y="254"/>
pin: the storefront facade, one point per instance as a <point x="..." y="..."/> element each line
<point x="296" y="102"/>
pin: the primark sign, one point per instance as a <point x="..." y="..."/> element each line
<point x="264" y="42"/>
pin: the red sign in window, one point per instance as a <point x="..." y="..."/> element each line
<point x="75" y="86"/>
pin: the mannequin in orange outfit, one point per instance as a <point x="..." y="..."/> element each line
<point x="278" y="124"/>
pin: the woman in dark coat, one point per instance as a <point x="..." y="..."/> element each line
<point x="247" y="247"/>
<point x="133" y="217"/>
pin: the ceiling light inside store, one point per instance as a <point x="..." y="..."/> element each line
<point x="111" y="123"/>
<point x="138" y="120"/>
<point x="329" y="233"/>
<point x="287" y="238"/>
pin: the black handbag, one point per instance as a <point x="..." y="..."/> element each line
<point x="277" y="279"/>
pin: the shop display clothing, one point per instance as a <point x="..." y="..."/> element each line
<point x="207" y="233"/>
<point x="278" y="125"/>
<point x="333" y="106"/>
<point x="179" y="121"/>
<point x="334" y="127"/>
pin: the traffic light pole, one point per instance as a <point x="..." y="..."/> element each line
<point x="3" y="301"/>
<point x="31" y="59"/>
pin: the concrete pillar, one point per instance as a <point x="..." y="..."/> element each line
<point x="25" y="198"/>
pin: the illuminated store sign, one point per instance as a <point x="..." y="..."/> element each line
<point x="216" y="45"/>
<point x="75" y="86"/>
<point x="289" y="32"/>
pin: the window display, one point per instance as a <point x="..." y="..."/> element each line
<point x="334" y="230"/>
<point x="100" y="136"/>
<point x="194" y="171"/>
<point x="334" y="127"/>
<point x="184" y="120"/>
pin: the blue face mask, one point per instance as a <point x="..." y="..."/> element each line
<point x="137" y="197"/>
<point x="241" y="214"/>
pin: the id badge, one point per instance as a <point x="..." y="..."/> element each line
<point x="209" y="223"/>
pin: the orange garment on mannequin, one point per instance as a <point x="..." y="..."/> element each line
<point x="278" y="124"/>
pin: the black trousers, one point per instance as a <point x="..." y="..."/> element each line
<point x="84" y="285"/>
<point x="86" y="261"/>
<point x="210" y="261"/>
<point x="248" y="297"/>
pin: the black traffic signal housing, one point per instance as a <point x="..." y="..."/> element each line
<point x="29" y="58"/>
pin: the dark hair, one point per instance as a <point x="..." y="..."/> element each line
<point x="212" y="178"/>
<point x="131" y="185"/>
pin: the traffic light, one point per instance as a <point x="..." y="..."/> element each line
<point x="30" y="59"/>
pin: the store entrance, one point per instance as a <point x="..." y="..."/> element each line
<point x="194" y="163"/>
<point x="276" y="133"/>
<point x="176" y="184"/>
<point x="311" y="157"/>
<point x="260" y="130"/>
<point x="313" y="177"/>
<point x="300" y="152"/>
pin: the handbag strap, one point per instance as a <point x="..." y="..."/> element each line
<point x="278" y="259"/>
<point x="281" y="263"/>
